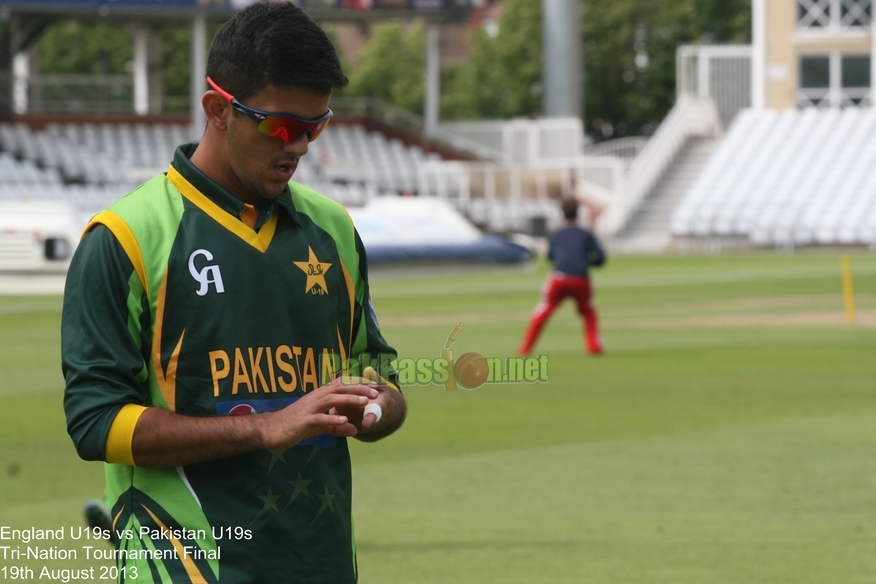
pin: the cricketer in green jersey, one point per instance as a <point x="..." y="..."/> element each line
<point x="206" y="316"/>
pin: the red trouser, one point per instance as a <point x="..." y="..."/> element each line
<point x="556" y="289"/>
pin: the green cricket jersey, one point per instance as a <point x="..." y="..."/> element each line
<point x="173" y="302"/>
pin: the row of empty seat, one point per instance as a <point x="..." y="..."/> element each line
<point x="94" y="153"/>
<point x="351" y="153"/>
<point x="91" y="165"/>
<point x="506" y="216"/>
<point x="796" y="177"/>
<point x="86" y="199"/>
<point x="113" y="153"/>
<point x="14" y="172"/>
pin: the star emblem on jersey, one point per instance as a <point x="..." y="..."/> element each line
<point x="270" y="500"/>
<point x="326" y="504"/>
<point x="300" y="485"/>
<point x="315" y="271"/>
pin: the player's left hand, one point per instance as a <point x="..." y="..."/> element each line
<point x="355" y="414"/>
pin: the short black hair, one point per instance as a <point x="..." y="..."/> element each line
<point x="273" y="43"/>
<point x="570" y="208"/>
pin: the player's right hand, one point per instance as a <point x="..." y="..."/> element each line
<point x="311" y="415"/>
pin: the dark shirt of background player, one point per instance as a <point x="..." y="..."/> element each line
<point x="573" y="250"/>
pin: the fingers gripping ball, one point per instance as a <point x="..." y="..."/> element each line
<point x="471" y="370"/>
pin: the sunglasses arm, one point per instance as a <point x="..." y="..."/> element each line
<point x="227" y="96"/>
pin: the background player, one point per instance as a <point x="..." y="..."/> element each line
<point x="573" y="250"/>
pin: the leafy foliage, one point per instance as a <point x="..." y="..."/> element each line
<point x="629" y="59"/>
<point x="629" y="48"/>
<point x="176" y="59"/>
<point x="502" y="78"/>
<point x="74" y="47"/>
<point x="79" y="48"/>
<point x="391" y="66"/>
<point x="629" y="62"/>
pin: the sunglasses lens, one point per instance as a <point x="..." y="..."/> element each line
<point x="288" y="129"/>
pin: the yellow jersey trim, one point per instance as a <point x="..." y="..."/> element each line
<point x="195" y="576"/>
<point x="125" y="237"/>
<point x="351" y="292"/>
<point x="259" y="240"/>
<point x="166" y="379"/>
<point x="120" y="439"/>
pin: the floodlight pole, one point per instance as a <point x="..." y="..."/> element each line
<point x="433" y="80"/>
<point x="561" y="43"/>
<point x="758" y="54"/>
<point x="141" y="71"/>
<point x="872" y="60"/>
<point x="199" y="75"/>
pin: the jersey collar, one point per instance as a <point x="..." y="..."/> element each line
<point x="221" y="196"/>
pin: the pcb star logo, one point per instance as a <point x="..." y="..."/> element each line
<point x="315" y="271"/>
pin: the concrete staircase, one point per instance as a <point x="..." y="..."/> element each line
<point x="647" y="231"/>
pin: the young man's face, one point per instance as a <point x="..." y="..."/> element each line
<point x="261" y="164"/>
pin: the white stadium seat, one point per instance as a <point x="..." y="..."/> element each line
<point x="792" y="178"/>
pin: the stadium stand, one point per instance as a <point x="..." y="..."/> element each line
<point x="789" y="178"/>
<point x="91" y="165"/>
<point x="352" y="165"/>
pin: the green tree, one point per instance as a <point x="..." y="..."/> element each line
<point x="391" y="66"/>
<point x="70" y="46"/>
<point x="629" y="55"/>
<point x="502" y="78"/>
<point x="176" y="62"/>
<point x="80" y="48"/>
<point x="629" y="60"/>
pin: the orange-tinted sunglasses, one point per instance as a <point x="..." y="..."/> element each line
<point x="286" y="127"/>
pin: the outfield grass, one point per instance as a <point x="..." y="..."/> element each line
<point x="727" y="435"/>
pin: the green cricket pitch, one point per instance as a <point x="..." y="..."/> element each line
<point x="727" y="435"/>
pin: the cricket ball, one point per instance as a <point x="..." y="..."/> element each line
<point x="471" y="370"/>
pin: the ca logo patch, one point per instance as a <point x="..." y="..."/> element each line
<point x="315" y="271"/>
<point x="206" y="275"/>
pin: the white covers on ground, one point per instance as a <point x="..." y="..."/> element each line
<point x="416" y="229"/>
<point x="411" y="221"/>
<point x="795" y="177"/>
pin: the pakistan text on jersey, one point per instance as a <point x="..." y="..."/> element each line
<point x="286" y="368"/>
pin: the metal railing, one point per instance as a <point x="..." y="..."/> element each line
<point x="691" y="116"/>
<point x="719" y="72"/>
<point x="80" y="93"/>
<point x="407" y="122"/>
<point x="524" y="141"/>
<point x="834" y="15"/>
<point x="627" y="149"/>
<point x="57" y="93"/>
<point x="540" y="160"/>
<point x="834" y="97"/>
<point x="469" y="186"/>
